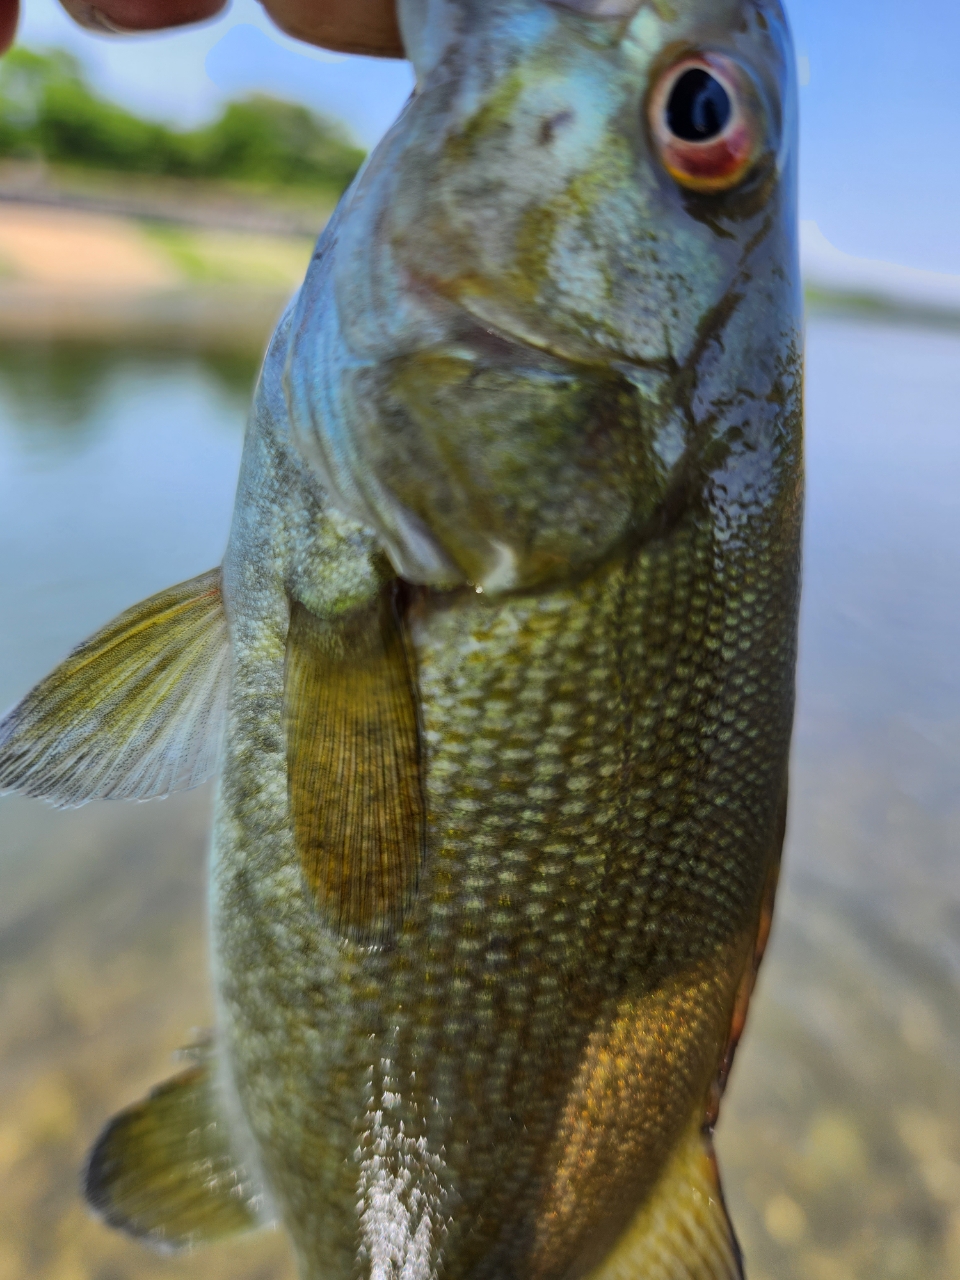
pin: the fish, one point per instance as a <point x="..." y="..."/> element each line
<point x="496" y="677"/>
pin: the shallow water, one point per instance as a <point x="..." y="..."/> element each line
<point x="840" y="1138"/>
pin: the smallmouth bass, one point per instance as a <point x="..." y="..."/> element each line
<point x="496" y="676"/>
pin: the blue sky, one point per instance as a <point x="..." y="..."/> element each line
<point x="880" y="156"/>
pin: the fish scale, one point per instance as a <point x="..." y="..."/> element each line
<point x="501" y="655"/>
<point x="451" y="1049"/>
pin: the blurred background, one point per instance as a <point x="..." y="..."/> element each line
<point x="159" y="196"/>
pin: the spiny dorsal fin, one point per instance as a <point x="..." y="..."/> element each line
<point x="135" y="711"/>
<point x="353" y="754"/>
<point x="683" y="1231"/>
<point x="163" y="1171"/>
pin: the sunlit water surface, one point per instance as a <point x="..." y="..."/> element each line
<point x="840" y="1138"/>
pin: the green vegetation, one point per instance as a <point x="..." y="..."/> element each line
<point x="49" y="112"/>
<point x="232" y="257"/>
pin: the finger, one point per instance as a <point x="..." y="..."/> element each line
<point x="350" y="26"/>
<point x="9" y="12"/>
<point x="122" y="16"/>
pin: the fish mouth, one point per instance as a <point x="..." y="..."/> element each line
<point x="475" y="328"/>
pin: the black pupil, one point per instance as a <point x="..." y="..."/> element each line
<point x="699" y="107"/>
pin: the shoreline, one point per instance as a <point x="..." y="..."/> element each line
<point x="207" y="319"/>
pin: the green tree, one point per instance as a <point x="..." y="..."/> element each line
<point x="265" y="140"/>
<point x="48" y="110"/>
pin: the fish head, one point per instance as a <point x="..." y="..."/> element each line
<point x="587" y="172"/>
<point x="576" y="243"/>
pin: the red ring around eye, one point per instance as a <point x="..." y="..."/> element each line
<point x="721" y="160"/>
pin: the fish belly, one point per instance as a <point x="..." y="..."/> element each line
<point x="499" y="1091"/>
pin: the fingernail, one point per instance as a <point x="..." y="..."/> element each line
<point x="94" y="19"/>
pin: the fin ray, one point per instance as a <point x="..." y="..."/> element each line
<point x="683" y="1232"/>
<point x="163" y="1171"/>
<point x="354" y="766"/>
<point x="134" y="712"/>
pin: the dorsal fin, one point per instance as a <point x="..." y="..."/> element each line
<point x="135" y="711"/>
<point x="353" y="751"/>
<point x="682" y="1232"/>
<point x="163" y="1170"/>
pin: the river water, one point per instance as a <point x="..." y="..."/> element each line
<point x="840" y="1138"/>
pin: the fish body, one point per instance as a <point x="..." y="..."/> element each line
<point x="504" y="645"/>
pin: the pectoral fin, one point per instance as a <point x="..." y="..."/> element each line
<point x="682" y="1232"/>
<point x="135" y="711"/>
<point x="163" y="1171"/>
<point x="354" y="767"/>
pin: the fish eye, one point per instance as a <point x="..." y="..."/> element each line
<point x="699" y="107"/>
<point x="707" y="123"/>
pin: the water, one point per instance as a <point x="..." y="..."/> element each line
<point x="840" y="1138"/>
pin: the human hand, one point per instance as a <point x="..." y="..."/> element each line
<point x="352" y="26"/>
